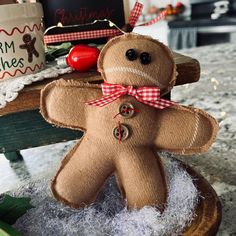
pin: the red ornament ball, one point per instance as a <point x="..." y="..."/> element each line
<point x="82" y="57"/>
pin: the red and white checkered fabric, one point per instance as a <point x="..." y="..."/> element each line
<point x="56" y="38"/>
<point x="147" y="95"/>
<point x="161" y="16"/>
<point x="135" y="13"/>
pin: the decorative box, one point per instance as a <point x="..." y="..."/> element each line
<point x="21" y="39"/>
<point x="78" y="16"/>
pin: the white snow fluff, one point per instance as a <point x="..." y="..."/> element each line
<point x="107" y="216"/>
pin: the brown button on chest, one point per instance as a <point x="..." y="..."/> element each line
<point x="126" y="110"/>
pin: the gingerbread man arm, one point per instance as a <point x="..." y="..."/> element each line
<point x="63" y="102"/>
<point x="185" y="130"/>
<point x="23" y="46"/>
<point x="33" y="41"/>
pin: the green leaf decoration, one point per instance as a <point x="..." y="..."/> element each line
<point x="52" y="51"/>
<point x="7" y="230"/>
<point x="12" y="208"/>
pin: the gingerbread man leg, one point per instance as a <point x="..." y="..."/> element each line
<point x="35" y="52"/>
<point x="82" y="174"/>
<point x="141" y="178"/>
<point x="30" y="55"/>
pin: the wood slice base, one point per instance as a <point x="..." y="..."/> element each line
<point x="208" y="211"/>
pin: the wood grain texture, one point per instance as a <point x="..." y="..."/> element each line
<point x="188" y="69"/>
<point x="28" y="129"/>
<point x="208" y="211"/>
<point x="188" y="72"/>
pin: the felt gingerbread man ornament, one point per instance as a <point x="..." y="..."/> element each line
<point x="126" y="121"/>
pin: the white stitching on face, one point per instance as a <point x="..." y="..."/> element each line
<point x="136" y="72"/>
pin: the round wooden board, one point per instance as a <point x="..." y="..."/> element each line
<point x="208" y="211"/>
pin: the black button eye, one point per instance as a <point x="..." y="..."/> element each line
<point x="145" y="58"/>
<point x="131" y="55"/>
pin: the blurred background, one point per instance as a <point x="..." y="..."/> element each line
<point x="191" y="23"/>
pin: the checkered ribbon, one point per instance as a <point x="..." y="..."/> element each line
<point x="92" y="34"/>
<point x="135" y="13"/>
<point x="156" y="19"/>
<point x="147" y="95"/>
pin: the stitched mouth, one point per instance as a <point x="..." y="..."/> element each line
<point x="136" y="72"/>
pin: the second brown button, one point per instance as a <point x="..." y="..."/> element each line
<point x="121" y="132"/>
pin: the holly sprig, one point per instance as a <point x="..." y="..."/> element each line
<point x="11" y="208"/>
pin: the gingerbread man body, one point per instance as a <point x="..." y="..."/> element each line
<point x="29" y="46"/>
<point x="123" y="137"/>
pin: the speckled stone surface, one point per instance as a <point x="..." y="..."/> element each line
<point x="215" y="93"/>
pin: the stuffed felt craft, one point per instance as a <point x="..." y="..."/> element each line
<point x="125" y="123"/>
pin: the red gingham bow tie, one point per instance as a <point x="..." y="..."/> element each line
<point x="147" y="95"/>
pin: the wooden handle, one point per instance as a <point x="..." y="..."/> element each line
<point x="188" y="69"/>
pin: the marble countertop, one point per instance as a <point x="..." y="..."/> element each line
<point x="215" y="93"/>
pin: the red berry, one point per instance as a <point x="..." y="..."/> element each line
<point x="83" y="57"/>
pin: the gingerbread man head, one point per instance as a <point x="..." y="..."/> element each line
<point x="126" y="121"/>
<point x="137" y="60"/>
<point x="27" y="38"/>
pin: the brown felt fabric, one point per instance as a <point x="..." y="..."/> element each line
<point x="185" y="130"/>
<point x="82" y="174"/>
<point x="65" y="102"/>
<point x="137" y="171"/>
<point x="138" y="168"/>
